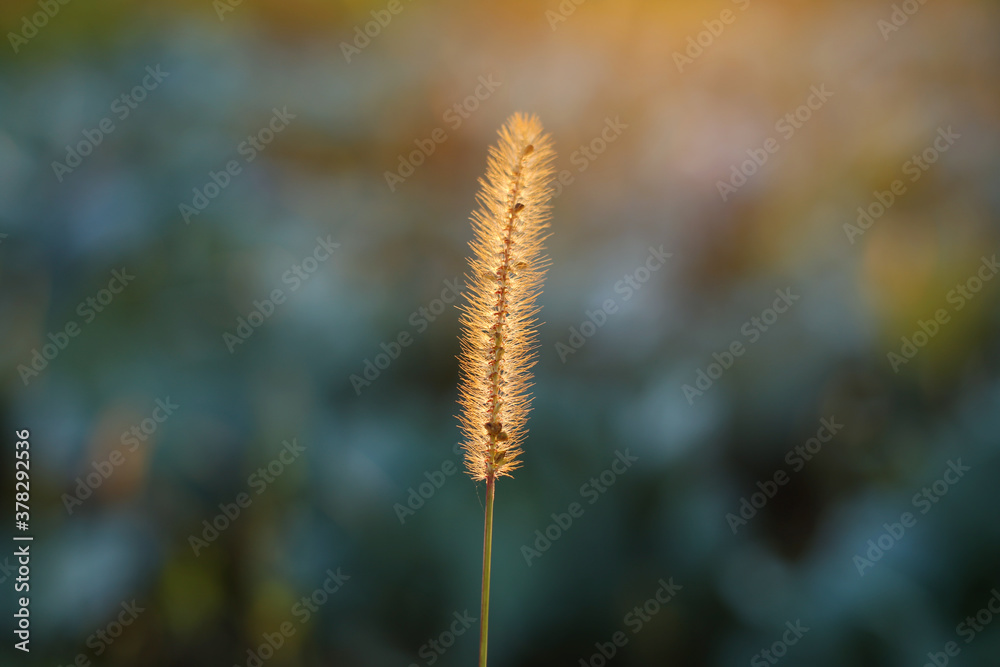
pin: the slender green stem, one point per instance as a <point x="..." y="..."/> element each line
<point x="484" y="613"/>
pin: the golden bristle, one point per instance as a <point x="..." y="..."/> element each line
<point x="498" y="319"/>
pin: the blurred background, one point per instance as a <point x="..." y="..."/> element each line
<point x="220" y="220"/>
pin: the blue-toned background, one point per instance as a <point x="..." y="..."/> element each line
<point x="213" y="215"/>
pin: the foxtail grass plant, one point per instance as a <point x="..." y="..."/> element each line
<point x="499" y="327"/>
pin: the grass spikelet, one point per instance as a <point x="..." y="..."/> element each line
<point x="498" y="320"/>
